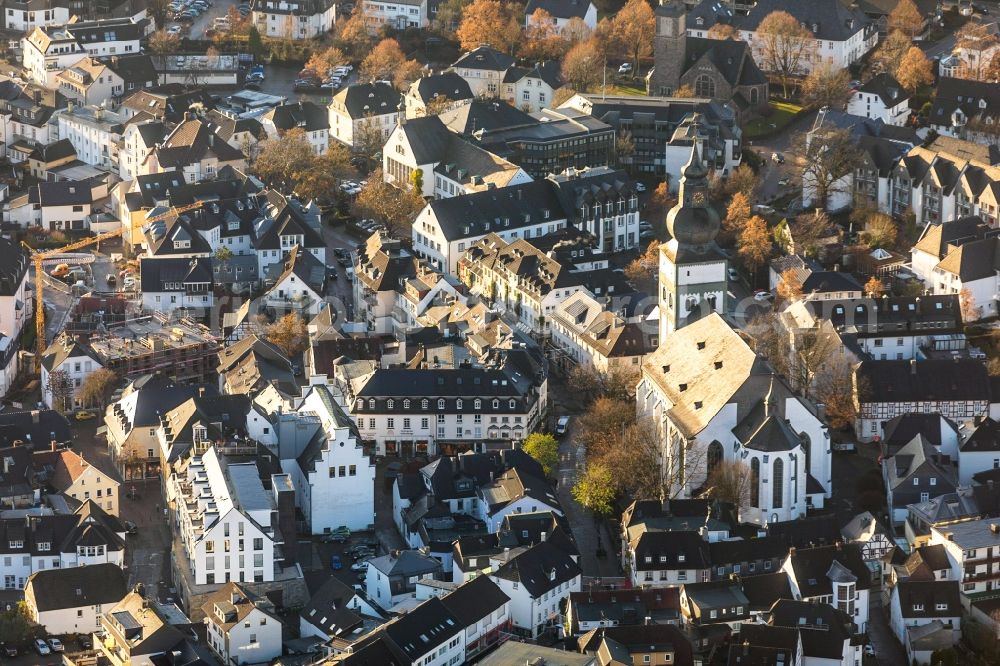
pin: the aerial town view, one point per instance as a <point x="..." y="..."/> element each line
<point x="544" y="333"/>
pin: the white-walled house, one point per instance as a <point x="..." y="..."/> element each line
<point x="515" y="492"/>
<point x="537" y="581"/>
<point x="36" y="543"/>
<point x="972" y="548"/>
<point x="396" y="14"/>
<point x="16" y="308"/>
<point x="979" y="451"/>
<point x="917" y="603"/>
<point x="66" y="355"/>
<point x="882" y="98"/>
<point x="562" y="12"/>
<point x="241" y="627"/>
<point x="836" y="575"/>
<point x="72" y="600"/>
<point x="322" y="452"/>
<point x="362" y="109"/>
<point x="293" y="19"/>
<point x="216" y="502"/>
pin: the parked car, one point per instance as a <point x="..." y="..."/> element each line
<point x="762" y="295"/>
<point x="734" y="275"/>
<point x="360" y="589"/>
<point x="562" y="426"/>
<point x="639" y="187"/>
<point x="84" y="415"/>
<point x="361" y="565"/>
<point x="9" y="650"/>
<point x="85" y="642"/>
<point x="130" y="527"/>
<point x="778" y="157"/>
<point x="41" y="647"/>
<point x="56" y="645"/>
<point x="336" y="563"/>
<point x="625" y="68"/>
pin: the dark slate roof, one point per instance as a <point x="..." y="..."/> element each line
<point x="38" y="426"/>
<point x="448" y="84"/>
<point x="540" y="568"/>
<point x="670" y="545"/>
<point x="732" y="58"/>
<point x="710" y="12"/>
<point x="136" y="69"/>
<point x="304" y="115"/>
<point x="63" y="193"/>
<point x="157" y="395"/>
<point x="90" y="585"/>
<point x="111" y="30"/>
<point x="162" y="235"/>
<point x="763" y="590"/>
<point x="900" y="430"/>
<point x="764" y="645"/>
<point x="919" y="599"/>
<point x="829" y="21"/>
<point x="827" y="281"/>
<point x="14" y="264"/>
<point x="460" y="382"/>
<point x="964" y="94"/>
<point x="887" y="88"/>
<point x="476" y="214"/>
<point x="486" y="58"/>
<point x="481" y="114"/>
<point x="156" y="272"/>
<point x="562" y="9"/>
<point x="736" y="551"/>
<point x="639" y="638"/>
<point x="426" y="627"/>
<point x="328" y="611"/>
<point x="927" y="380"/>
<point x="57" y="150"/>
<point x="812" y="567"/>
<point x="986" y="437"/>
<point x="191" y="141"/>
<point x="825" y="631"/>
<point x="474" y="600"/>
<point x="547" y="71"/>
<point x="365" y="99"/>
<point x="169" y="101"/>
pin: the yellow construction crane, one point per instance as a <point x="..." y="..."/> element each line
<point x="39" y="259"/>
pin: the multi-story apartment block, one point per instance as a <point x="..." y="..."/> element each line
<point x="402" y="411"/>
<point x="973" y="550"/>
<point x="226" y="521"/>
<point x="293" y="19"/>
<point x="364" y="111"/>
<point x="94" y="132"/>
<point x="396" y="14"/>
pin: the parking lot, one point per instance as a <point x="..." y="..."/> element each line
<point x="204" y="21"/>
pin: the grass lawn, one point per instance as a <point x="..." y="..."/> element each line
<point x="781" y="114"/>
<point x="634" y="88"/>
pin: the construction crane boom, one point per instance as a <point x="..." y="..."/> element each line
<point x="38" y="258"/>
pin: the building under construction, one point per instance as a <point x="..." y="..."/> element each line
<point x="180" y="349"/>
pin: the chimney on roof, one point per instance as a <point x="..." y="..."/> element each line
<point x="913" y="366"/>
<point x="53" y="445"/>
<point x="201" y="391"/>
<point x="35" y="414"/>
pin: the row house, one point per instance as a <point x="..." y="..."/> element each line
<point x="958" y="389"/>
<point x="916" y="606"/>
<point x="523" y="278"/>
<point x="835" y="575"/>
<point x="588" y="334"/>
<point x="87" y="536"/>
<point x="402" y="411"/>
<point x="945" y="179"/>
<point x="396" y="14"/>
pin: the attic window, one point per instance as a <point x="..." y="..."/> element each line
<point x="682" y="387"/>
<point x="697" y="404"/>
<point x="666" y="368"/>
<point x="681" y="556"/>
<point x="701" y="345"/>
<point x="718" y="365"/>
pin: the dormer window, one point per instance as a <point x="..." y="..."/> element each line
<point x="44" y="546"/>
<point x="406" y="404"/>
<point x="425" y="403"/>
<point x="17" y="544"/>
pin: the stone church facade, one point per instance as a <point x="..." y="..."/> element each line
<point x="718" y="69"/>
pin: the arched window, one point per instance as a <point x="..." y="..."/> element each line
<point x="458" y="404"/>
<point x="754" y="482"/>
<point x="440" y="403"/>
<point x="704" y="86"/>
<point x="425" y="403"/>
<point x="478" y="403"/>
<point x="406" y="404"/>
<point x="714" y="456"/>
<point x="496" y="404"/>
<point x="778" y="481"/>
<point x="391" y="403"/>
<point x="512" y="404"/>
<point x="371" y="403"/>
<point x="806" y="448"/>
<point x="754" y="96"/>
<point x="361" y="403"/>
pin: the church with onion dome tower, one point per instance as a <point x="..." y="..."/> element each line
<point x="693" y="271"/>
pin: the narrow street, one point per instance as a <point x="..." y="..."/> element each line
<point x="590" y="534"/>
<point x="888" y="651"/>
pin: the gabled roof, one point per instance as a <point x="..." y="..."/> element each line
<point x="158" y="274"/>
<point x="304" y="115"/>
<point x="474" y="600"/>
<point x="927" y="380"/>
<point x="828" y="21"/>
<point x="424" y="629"/>
<point x="191" y="141"/>
<point x="920" y="599"/>
<point x="658" y="550"/>
<point x="328" y="608"/>
<point x="447" y="84"/>
<point x="76" y="587"/>
<point x="814" y="568"/>
<point x="51" y="152"/>
<point x="887" y="88"/>
<point x="561" y="9"/>
<point x="405" y="563"/>
<point x="985" y="438"/>
<point x="540" y="569"/>
<point x="733" y="59"/>
<point x="915" y="457"/>
<point x="484" y="58"/>
<point x="367" y="99"/>
<point x="825" y="631"/>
